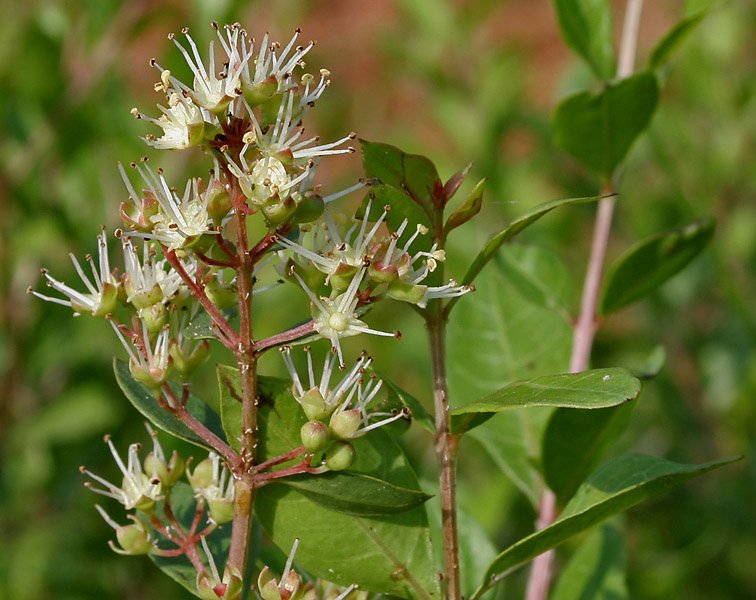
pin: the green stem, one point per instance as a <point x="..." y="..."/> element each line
<point x="446" y="445"/>
<point x="246" y="360"/>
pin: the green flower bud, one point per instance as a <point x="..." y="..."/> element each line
<point x="469" y="208"/>
<point x="315" y="436"/>
<point x="134" y="539"/>
<point x="407" y="292"/>
<point x="144" y="298"/>
<point x="155" y="317"/>
<point x="202" y="476"/>
<point x="152" y="377"/>
<point x="380" y="273"/>
<point x="221" y="510"/>
<point x="218" y="200"/>
<point x="267" y="585"/>
<point x="186" y="362"/>
<point x="222" y="295"/>
<point x="342" y="277"/>
<point x="314" y="405"/>
<point x="344" y="424"/>
<point x="168" y="472"/>
<point x="279" y="211"/>
<point x="340" y="456"/>
<point x="259" y="93"/>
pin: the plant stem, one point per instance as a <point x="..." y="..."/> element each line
<point x="446" y="445"/>
<point x="585" y="326"/>
<point x="246" y="360"/>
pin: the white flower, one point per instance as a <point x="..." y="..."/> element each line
<point x="100" y="298"/>
<point x="272" y="68"/>
<point x="336" y="318"/>
<point x="335" y="253"/>
<point x="182" y="122"/>
<point x="148" y="364"/>
<point x="180" y="221"/>
<point x="212" y="90"/>
<point x="138" y="489"/>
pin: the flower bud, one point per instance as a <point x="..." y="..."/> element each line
<point x="279" y="211"/>
<point x="218" y="200"/>
<point x="187" y="361"/>
<point x="155" y="317"/>
<point x="342" y="277"/>
<point x="134" y="539"/>
<point x="313" y="404"/>
<point x="222" y="295"/>
<point x="407" y="292"/>
<point x="267" y="585"/>
<point x="152" y="377"/>
<point x="221" y="510"/>
<point x="344" y="424"/>
<point x="202" y="476"/>
<point x="168" y="472"/>
<point x="259" y="93"/>
<point x="315" y="436"/>
<point x="340" y="456"/>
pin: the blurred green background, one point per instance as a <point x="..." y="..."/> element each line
<point x="461" y="81"/>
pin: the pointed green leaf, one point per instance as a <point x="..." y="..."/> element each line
<point x="599" y="129"/>
<point x="417" y="410"/>
<point x="507" y="439"/>
<point x="414" y="175"/>
<point x="402" y="207"/>
<point x="539" y="275"/>
<point x="387" y="554"/>
<point x="618" y="485"/>
<point x="597" y="569"/>
<point x="356" y="494"/>
<point x="511" y="230"/>
<point x="144" y="401"/>
<point x="598" y="388"/>
<point x="468" y="209"/>
<point x="576" y="441"/>
<point x="586" y="26"/>
<point x="673" y="40"/>
<point x="230" y="404"/>
<point x="648" y="264"/>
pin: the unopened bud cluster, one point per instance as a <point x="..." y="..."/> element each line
<point x="337" y="411"/>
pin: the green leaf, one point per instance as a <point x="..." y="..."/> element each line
<point x="511" y="230"/>
<point x="618" y="485"/>
<point x="587" y="28"/>
<point x="402" y="207"/>
<point x="230" y="405"/>
<point x="597" y="569"/>
<point x="201" y="327"/>
<point x="356" y="494"/>
<point x="648" y="264"/>
<point x="661" y="54"/>
<point x="576" y="441"/>
<point x="390" y="555"/>
<point x="598" y="388"/>
<point x="417" y="410"/>
<point x="599" y="129"/>
<point x="144" y="401"/>
<point x="507" y="440"/>
<point x="539" y="275"/>
<point x="468" y="209"/>
<point x="414" y="175"/>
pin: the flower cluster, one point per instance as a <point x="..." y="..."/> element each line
<point x="337" y="412"/>
<point x="191" y="269"/>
